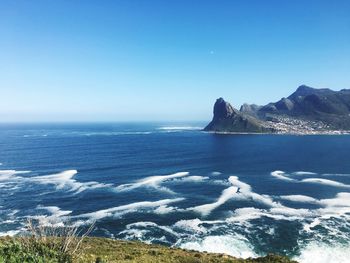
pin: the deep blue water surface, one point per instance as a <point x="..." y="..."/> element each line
<point x="245" y="195"/>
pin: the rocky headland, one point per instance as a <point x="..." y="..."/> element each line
<point x="306" y="111"/>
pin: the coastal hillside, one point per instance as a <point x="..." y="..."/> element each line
<point x="306" y="111"/>
<point x="104" y="250"/>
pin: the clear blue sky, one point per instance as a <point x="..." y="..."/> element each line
<point x="166" y="59"/>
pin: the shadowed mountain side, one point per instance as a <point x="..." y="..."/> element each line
<point x="306" y="111"/>
<point x="228" y="119"/>
<point x="328" y="106"/>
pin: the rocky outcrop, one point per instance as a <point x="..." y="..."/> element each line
<point x="228" y="119"/>
<point x="307" y="110"/>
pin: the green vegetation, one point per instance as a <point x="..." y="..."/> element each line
<point x="52" y="244"/>
<point x="31" y="251"/>
<point x="104" y="250"/>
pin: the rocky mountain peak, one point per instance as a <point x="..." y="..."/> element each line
<point x="223" y="109"/>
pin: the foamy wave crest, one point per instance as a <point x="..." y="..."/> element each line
<point x="238" y="191"/>
<point x="56" y="218"/>
<point x="246" y="193"/>
<point x="130" y="228"/>
<point x="191" y="225"/>
<point x="281" y="175"/>
<point x="304" y="173"/>
<point x="6" y="175"/>
<point x="10" y="233"/>
<point x="194" y="179"/>
<point x="224" y="197"/>
<point x="300" y="198"/>
<point x="129" y="208"/>
<point x="317" y="252"/>
<point x="325" y="182"/>
<point x="237" y="245"/>
<point x="152" y="181"/>
<point x="65" y="180"/>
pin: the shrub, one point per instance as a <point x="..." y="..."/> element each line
<point x="44" y="244"/>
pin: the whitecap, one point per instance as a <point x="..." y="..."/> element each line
<point x="281" y="175"/>
<point x="317" y="252"/>
<point x="300" y="199"/>
<point x="193" y="179"/>
<point x="237" y="245"/>
<point x="239" y="191"/>
<point x="242" y="215"/>
<point x="152" y="181"/>
<point x="192" y="225"/>
<point x="147" y="225"/>
<point x="129" y="208"/>
<point x="56" y="218"/>
<point x="6" y="175"/>
<point x="206" y="209"/>
<point x="304" y="173"/>
<point x="65" y="180"/>
<point x="10" y="233"/>
<point x="325" y="182"/>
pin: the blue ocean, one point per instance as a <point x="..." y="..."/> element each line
<point x="172" y="184"/>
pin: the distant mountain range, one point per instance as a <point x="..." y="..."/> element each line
<point x="306" y="111"/>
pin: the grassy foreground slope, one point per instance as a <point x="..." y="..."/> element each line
<point x="98" y="250"/>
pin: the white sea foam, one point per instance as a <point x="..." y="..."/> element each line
<point x="191" y="225"/>
<point x="6" y="175"/>
<point x="194" y="178"/>
<point x="65" y="180"/>
<point x="341" y="200"/>
<point x="56" y="218"/>
<point x="148" y="225"/>
<point x="236" y="245"/>
<point x="325" y="182"/>
<point x="317" y="252"/>
<point x="246" y="193"/>
<point x="242" y="215"/>
<point x="292" y="213"/>
<point x="164" y="209"/>
<point x="304" y="173"/>
<point x="300" y="199"/>
<point x="129" y="208"/>
<point x="10" y="233"/>
<point x="152" y="181"/>
<point x="281" y="175"/>
<point x="206" y="209"/>
<point x="215" y="173"/>
<point x="239" y="191"/>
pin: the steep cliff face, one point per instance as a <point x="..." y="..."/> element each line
<point x="228" y="119"/>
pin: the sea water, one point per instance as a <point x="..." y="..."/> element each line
<point x="172" y="184"/>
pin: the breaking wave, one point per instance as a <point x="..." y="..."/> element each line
<point x="152" y="181"/>
<point x="244" y="213"/>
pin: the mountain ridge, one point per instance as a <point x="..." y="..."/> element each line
<point x="308" y="109"/>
